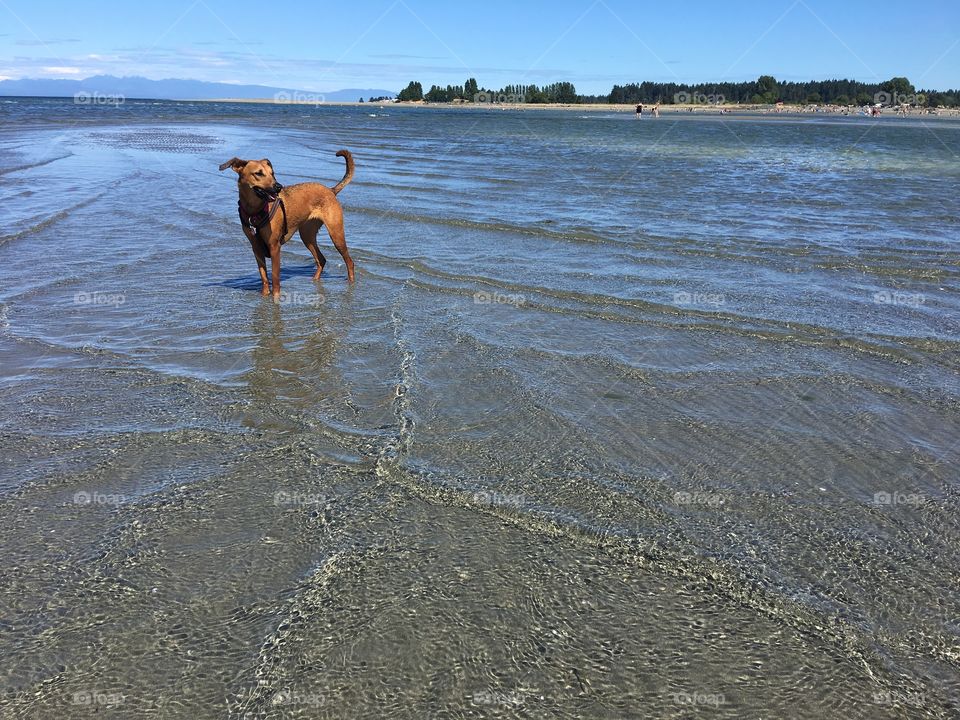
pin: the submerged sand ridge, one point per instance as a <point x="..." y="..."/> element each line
<point x="611" y="424"/>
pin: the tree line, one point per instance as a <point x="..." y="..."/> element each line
<point x="765" y="90"/>
<point x="470" y="91"/>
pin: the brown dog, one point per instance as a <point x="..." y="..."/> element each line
<point x="271" y="214"/>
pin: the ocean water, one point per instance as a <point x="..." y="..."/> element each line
<point x="620" y="419"/>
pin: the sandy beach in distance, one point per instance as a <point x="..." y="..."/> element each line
<point x="674" y="109"/>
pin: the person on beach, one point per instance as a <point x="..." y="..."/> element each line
<point x="639" y="111"/>
<point x="656" y="110"/>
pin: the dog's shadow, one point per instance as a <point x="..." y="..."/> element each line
<point x="252" y="281"/>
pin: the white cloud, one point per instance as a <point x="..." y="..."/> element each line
<point x="61" y="70"/>
<point x="312" y="74"/>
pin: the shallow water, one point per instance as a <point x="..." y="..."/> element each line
<point x="620" y="419"/>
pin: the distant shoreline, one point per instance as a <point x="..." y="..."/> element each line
<point x="687" y="109"/>
<point x="753" y="110"/>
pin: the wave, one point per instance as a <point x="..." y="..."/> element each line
<point x="50" y="220"/>
<point x="645" y="311"/>
<point x="16" y="168"/>
<point x="572" y="235"/>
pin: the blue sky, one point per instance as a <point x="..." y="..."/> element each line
<point x="324" y="46"/>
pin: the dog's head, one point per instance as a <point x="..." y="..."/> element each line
<point x="256" y="176"/>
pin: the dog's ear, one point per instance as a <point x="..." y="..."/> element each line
<point x="235" y="163"/>
<point x="268" y="163"/>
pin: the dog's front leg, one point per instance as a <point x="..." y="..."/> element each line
<point x="260" y="253"/>
<point x="262" y="268"/>
<point x="275" y="269"/>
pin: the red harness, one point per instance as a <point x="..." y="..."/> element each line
<point x="257" y="220"/>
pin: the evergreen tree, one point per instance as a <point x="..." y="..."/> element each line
<point x="412" y="92"/>
<point x="534" y="95"/>
<point x="436" y="94"/>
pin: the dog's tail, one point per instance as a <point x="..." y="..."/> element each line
<point x="348" y="176"/>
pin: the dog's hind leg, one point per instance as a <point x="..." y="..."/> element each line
<point x="308" y="233"/>
<point x="335" y="228"/>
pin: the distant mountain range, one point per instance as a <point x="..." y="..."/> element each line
<point x="175" y="89"/>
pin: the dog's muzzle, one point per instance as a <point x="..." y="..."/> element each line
<point x="269" y="195"/>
